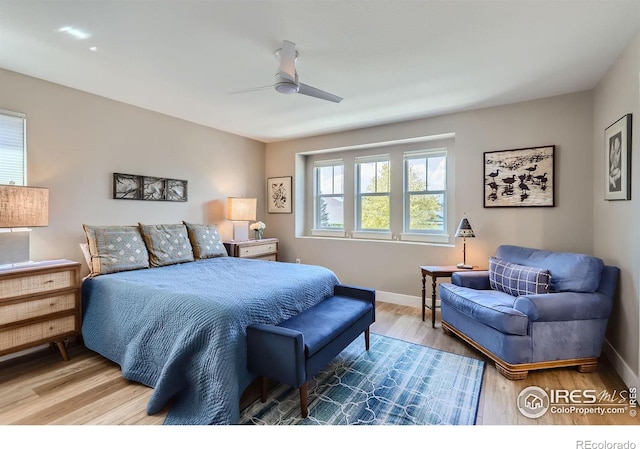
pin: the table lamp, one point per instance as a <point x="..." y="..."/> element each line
<point x="21" y="208"/>
<point x="464" y="230"/>
<point x="241" y="211"/>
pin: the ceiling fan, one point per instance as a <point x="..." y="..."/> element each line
<point x="286" y="80"/>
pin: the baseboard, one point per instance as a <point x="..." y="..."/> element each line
<point x="399" y="299"/>
<point x="625" y="372"/>
<point x="23" y="352"/>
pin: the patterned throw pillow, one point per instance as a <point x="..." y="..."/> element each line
<point x="167" y="244"/>
<point x="517" y="279"/>
<point x="205" y="241"/>
<point x="115" y="248"/>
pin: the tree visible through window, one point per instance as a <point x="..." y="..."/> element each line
<point x="374" y="195"/>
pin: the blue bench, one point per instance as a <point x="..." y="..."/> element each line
<point x="295" y="350"/>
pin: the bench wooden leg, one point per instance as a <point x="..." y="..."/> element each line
<point x="304" y="399"/>
<point x="263" y="389"/>
<point x="366" y="338"/>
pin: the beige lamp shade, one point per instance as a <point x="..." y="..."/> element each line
<point x="241" y="209"/>
<point x="22" y="206"/>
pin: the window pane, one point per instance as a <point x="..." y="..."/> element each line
<point x="338" y="179"/>
<point x="12" y="149"/>
<point x="367" y="178"/>
<point x="426" y="212"/>
<point x="417" y="175"/>
<point x="437" y="173"/>
<point x="325" y="175"/>
<point x="374" y="212"/>
<point x="331" y="213"/>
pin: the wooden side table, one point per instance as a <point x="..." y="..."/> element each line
<point x="39" y="303"/>
<point x="265" y="249"/>
<point x="437" y="271"/>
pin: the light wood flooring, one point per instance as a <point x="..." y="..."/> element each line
<point x="41" y="388"/>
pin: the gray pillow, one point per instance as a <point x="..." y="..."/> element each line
<point x="517" y="280"/>
<point x="115" y="248"/>
<point x="205" y="241"/>
<point x="167" y="244"/>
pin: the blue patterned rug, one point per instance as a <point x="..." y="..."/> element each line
<point x="394" y="383"/>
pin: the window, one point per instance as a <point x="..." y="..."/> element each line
<point x="425" y="192"/>
<point x="391" y="190"/>
<point x="373" y="196"/>
<point x="329" y="210"/>
<point x="13" y="154"/>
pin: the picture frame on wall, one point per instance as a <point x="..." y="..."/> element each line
<point x="279" y="195"/>
<point x="523" y="177"/>
<point x="617" y="155"/>
<point x="149" y="188"/>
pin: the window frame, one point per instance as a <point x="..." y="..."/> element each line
<point x="359" y="231"/>
<point x="22" y="117"/>
<point x="407" y="194"/>
<point x="317" y="196"/>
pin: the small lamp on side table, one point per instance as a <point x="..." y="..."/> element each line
<point x="464" y="230"/>
<point x="241" y="211"/>
<point x="21" y="208"/>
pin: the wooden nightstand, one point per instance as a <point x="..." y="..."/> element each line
<point x="39" y="303"/>
<point x="265" y="249"/>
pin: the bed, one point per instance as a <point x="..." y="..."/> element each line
<point x="181" y="328"/>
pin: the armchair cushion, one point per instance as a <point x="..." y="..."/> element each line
<point x="517" y="280"/>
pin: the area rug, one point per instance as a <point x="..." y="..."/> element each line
<point x="394" y="383"/>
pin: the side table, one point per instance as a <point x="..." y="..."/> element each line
<point x="437" y="271"/>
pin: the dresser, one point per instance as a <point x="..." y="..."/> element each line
<point x="39" y="304"/>
<point x="265" y="249"/>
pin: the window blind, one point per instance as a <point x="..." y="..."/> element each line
<point x="12" y="148"/>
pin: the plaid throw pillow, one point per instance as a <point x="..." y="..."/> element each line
<point x="517" y="280"/>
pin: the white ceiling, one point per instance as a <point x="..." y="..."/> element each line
<point x="390" y="60"/>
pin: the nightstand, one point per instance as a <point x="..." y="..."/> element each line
<point x="39" y="303"/>
<point x="437" y="271"/>
<point x="265" y="249"/>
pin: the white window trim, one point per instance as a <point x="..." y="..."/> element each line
<point x="372" y="235"/>
<point x="328" y="233"/>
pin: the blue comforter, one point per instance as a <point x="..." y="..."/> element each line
<point x="181" y="328"/>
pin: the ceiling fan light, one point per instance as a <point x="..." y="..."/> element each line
<point x="286" y="87"/>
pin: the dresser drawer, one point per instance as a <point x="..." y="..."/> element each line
<point x="37" y="283"/>
<point x="24" y="310"/>
<point x="271" y="257"/>
<point x="32" y="333"/>
<point x="257" y="250"/>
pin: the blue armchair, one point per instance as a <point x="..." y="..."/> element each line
<point x="533" y="309"/>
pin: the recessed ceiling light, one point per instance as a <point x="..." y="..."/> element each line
<point x="93" y="48"/>
<point x="75" y="32"/>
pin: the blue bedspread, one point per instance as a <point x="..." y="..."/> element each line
<point x="181" y="328"/>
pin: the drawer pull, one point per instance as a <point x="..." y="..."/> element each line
<point x="50" y="328"/>
<point x="49" y="281"/>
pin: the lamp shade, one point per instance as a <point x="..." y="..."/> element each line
<point x="22" y="206"/>
<point x="464" y="229"/>
<point x="241" y="209"/>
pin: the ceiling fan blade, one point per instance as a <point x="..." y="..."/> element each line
<point x="252" y="89"/>
<point x="288" y="60"/>
<point x="313" y="92"/>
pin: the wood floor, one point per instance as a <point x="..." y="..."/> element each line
<point x="40" y="388"/>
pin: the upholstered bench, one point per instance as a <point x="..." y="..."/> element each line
<point x="295" y="350"/>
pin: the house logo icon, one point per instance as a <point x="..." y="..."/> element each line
<point x="533" y="402"/>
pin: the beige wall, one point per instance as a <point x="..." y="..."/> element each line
<point x="564" y="121"/>
<point x="616" y="236"/>
<point x="76" y="141"/>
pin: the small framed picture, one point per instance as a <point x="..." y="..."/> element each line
<point x="176" y="190"/>
<point x="617" y="155"/>
<point x="127" y="187"/>
<point x="154" y="188"/>
<point x="279" y="196"/>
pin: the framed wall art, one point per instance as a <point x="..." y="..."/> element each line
<point x="523" y="177"/>
<point x="279" y="197"/>
<point x="150" y="188"/>
<point x="617" y="166"/>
